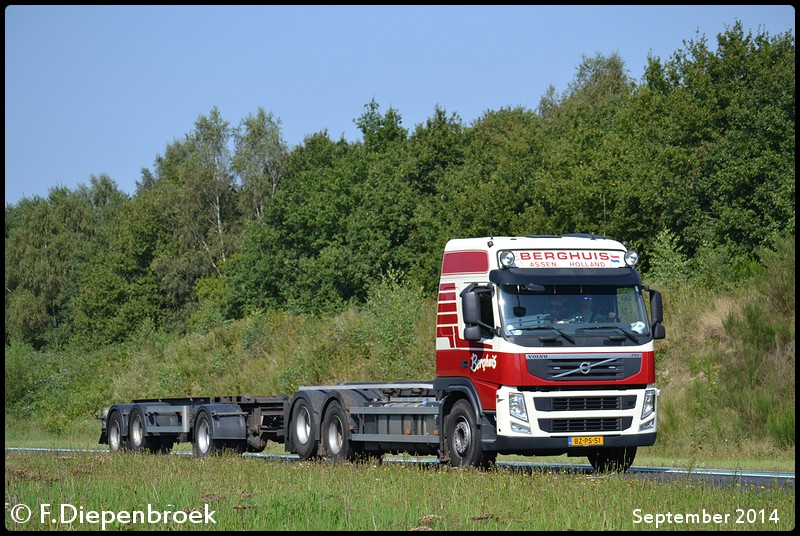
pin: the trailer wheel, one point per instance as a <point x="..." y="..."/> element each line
<point x="204" y="443"/>
<point x="138" y="441"/>
<point x="463" y="438"/>
<point x="336" y="434"/>
<point x="614" y="460"/>
<point x="116" y="441"/>
<point x="301" y="429"/>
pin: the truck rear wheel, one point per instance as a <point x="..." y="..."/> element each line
<point x="116" y="441"/>
<point x="613" y="460"/>
<point x="336" y="434"/>
<point x="463" y="438"/>
<point x="301" y="429"/>
<point x="204" y="443"/>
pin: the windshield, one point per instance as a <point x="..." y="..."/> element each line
<point x="571" y="309"/>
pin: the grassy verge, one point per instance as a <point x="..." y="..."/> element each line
<point x="250" y="494"/>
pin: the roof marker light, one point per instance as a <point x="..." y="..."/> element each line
<point x="506" y="258"/>
<point x="631" y="258"/>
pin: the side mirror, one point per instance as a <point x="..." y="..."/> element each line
<point x="659" y="332"/>
<point x="473" y="333"/>
<point x="656" y="307"/>
<point x="657" y="315"/>
<point x="471" y="307"/>
<point x="474" y="326"/>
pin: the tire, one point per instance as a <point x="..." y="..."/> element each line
<point x="463" y="438"/>
<point x="116" y="441"/>
<point x="204" y="443"/>
<point x="301" y="430"/>
<point x="613" y="460"/>
<point x="138" y="441"/>
<point x="336" y="434"/>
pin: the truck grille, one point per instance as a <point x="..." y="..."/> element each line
<point x="607" y="424"/>
<point x="585" y="403"/>
<point x="585" y="368"/>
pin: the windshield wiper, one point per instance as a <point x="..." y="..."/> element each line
<point x="610" y="326"/>
<point x="546" y="326"/>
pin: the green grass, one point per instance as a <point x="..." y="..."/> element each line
<point x="252" y="494"/>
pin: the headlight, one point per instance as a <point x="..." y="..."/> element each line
<point x="649" y="406"/>
<point x="518" y="428"/>
<point x="631" y="258"/>
<point x="649" y="425"/>
<point x="516" y="406"/>
<point x="506" y="259"/>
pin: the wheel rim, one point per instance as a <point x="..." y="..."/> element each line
<point x="203" y="439"/>
<point x="114" y="436"/>
<point x="335" y="435"/>
<point x="303" y="425"/>
<point x="462" y="436"/>
<point x="137" y="430"/>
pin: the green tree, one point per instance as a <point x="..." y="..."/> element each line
<point x="727" y="140"/>
<point x="193" y="191"/>
<point x="177" y="261"/>
<point x="117" y="292"/>
<point x="342" y="218"/>
<point x="46" y="242"/>
<point x="493" y="189"/>
<point x="433" y="151"/>
<point x="260" y="160"/>
<point x="582" y="148"/>
<point x="292" y="247"/>
<point x="380" y="131"/>
<point x="209" y="189"/>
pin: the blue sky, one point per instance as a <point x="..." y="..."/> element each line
<point x="92" y="90"/>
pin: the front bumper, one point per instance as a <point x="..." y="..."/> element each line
<point x="553" y="418"/>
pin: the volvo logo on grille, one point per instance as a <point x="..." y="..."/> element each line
<point x="585" y="367"/>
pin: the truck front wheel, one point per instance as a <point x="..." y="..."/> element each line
<point x="463" y="439"/>
<point x="301" y="429"/>
<point x="336" y="434"/>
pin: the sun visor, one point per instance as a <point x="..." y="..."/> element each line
<point x="618" y="277"/>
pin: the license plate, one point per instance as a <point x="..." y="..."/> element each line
<point x="584" y="441"/>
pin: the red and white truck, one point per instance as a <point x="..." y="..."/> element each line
<point x="544" y="346"/>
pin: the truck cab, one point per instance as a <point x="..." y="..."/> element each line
<point x="549" y="340"/>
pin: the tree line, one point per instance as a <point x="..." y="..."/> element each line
<point x="693" y="166"/>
